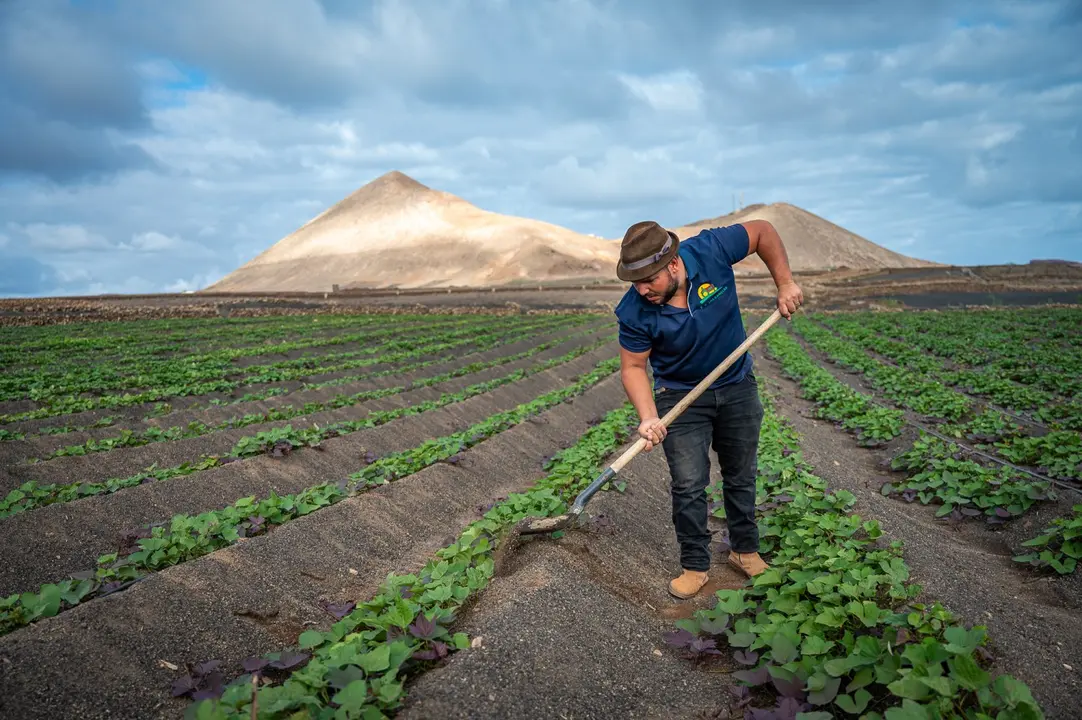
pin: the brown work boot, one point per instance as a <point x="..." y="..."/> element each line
<point x="688" y="584"/>
<point x="748" y="563"/>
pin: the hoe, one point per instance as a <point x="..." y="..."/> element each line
<point x="532" y="526"/>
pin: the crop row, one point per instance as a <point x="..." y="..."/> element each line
<point x="832" y="629"/>
<point x="129" y="438"/>
<point x="939" y="472"/>
<point x="1042" y="405"/>
<point x="1058" y="453"/>
<point x="115" y="348"/>
<point x="1042" y="348"/>
<point x="360" y="666"/>
<point x="477" y="343"/>
<point x="31" y="494"/>
<point x="388" y="352"/>
<point x="42" y="386"/>
<point x="186" y="537"/>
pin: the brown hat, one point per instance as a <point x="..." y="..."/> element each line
<point x="647" y="247"/>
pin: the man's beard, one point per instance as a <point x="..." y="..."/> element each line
<point x="667" y="295"/>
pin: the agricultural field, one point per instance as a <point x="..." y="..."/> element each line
<point x="311" y="516"/>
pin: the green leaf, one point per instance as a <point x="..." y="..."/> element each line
<point x="861" y="679"/>
<point x="941" y="685"/>
<point x="815" y="645"/>
<point x="782" y="649"/>
<point x="909" y="687"/>
<point x="908" y="711"/>
<point x="856" y="704"/>
<point x="461" y="641"/>
<point x="967" y="673"/>
<point x="741" y="639"/>
<point x="353" y="696"/>
<point x="377" y="660"/>
<point x="310" y="639"/>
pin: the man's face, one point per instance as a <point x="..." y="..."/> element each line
<point x="659" y="287"/>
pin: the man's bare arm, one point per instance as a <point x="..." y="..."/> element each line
<point x="637" y="382"/>
<point x="763" y="238"/>
<point x="637" y="386"/>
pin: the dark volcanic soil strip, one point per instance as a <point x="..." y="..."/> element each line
<point x="127" y="461"/>
<point x="42" y="446"/>
<point x="51" y="543"/>
<point x="574" y="627"/>
<point x="1035" y="626"/>
<point x="257" y="596"/>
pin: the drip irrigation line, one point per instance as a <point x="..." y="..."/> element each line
<point x="879" y="357"/>
<point x="993" y="458"/>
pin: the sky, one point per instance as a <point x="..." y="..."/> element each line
<point x="157" y="146"/>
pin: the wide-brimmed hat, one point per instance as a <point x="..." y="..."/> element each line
<point x="647" y="247"/>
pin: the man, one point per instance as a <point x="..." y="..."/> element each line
<point x="682" y="315"/>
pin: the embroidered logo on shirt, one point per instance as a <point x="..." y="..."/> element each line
<point x="707" y="292"/>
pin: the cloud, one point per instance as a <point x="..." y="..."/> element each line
<point x="676" y="92"/>
<point x="22" y="275"/>
<point x="66" y="238"/>
<point x="68" y="90"/>
<point x="152" y="146"/>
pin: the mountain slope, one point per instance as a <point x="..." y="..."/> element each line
<point x="395" y="231"/>
<point x="811" y="242"/>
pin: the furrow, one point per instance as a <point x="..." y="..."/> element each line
<point x="257" y="596"/>
<point x="56" y="541"/>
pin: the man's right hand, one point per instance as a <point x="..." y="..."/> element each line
<point x="653" y="431"/>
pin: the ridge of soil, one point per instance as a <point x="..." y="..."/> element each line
<point x="258" y="595"/>
<point x="126" y="461"/>
<point x="50" y="543"/>
<point x="17" y="451"/>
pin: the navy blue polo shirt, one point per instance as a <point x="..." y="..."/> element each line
<point x="686" y="344"/>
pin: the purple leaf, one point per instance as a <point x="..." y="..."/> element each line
<point x="902" y="637"/>
<point x="971" y="511"/>
<point x="289" y="660"/>
<point x="254" y="664"/>
<point x="789" y="688"/>
<point x="704" y="646"/>
<point x="339" y="610"/>
<point x="788" y="708"/>
<point x="207" y="693"/>
<point x="760" y="713"/>
<point x="206" y="668"/>
<point x="423" y="628"/>
<point x="405" y="592"/>
<point x="753" y="677"/>
<point x="678" y="638"/>
<point x="909" y="495"/>
<point x="1003" y="513"/>
<point x="746" y="658"/>
<point x="784" y="498"/>
<point x="183" y="686"/>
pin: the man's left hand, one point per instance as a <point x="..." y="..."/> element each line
<point x="790" y="297"/>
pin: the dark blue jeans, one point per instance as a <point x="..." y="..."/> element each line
<point x="726" y="420"/>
